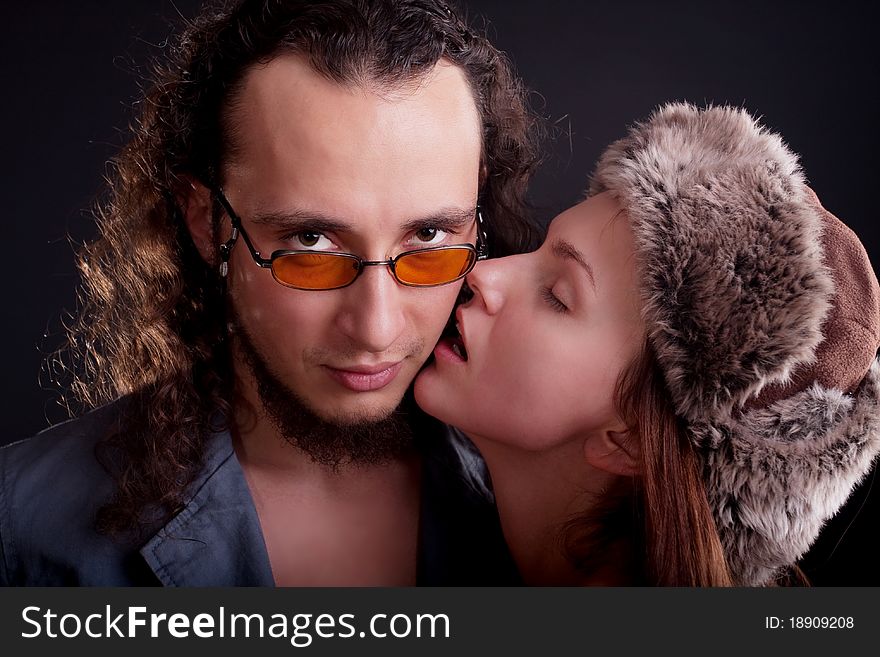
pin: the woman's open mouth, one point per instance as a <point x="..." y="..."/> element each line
<point x="451" y="342"/>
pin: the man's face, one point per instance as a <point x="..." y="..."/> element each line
<point x="317" y="165"/>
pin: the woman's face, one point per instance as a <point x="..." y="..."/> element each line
<point x="546" y="336"/>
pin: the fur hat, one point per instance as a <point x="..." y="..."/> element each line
<point x="764" y="314"/>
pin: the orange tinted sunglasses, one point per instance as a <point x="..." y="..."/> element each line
<point x="317" y="270"/>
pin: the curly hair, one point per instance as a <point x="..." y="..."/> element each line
<point x="151" y="313"/>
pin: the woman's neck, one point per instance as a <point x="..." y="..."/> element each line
<point x="538" y="494"/>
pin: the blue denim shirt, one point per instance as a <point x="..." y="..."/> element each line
<point x="51" y="487"/>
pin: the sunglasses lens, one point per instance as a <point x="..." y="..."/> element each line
<point x="425" y="268"/>
<point x="315" y="271"/>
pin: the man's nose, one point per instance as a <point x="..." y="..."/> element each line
<point x="489" y="281"/>
<point x="374" y="316"/>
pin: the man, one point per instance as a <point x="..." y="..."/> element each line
<point x="281" y="247"/>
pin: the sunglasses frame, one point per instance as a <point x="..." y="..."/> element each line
<point x="479" y="251"/>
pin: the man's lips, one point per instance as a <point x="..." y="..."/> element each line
<point x="363" y="378"/>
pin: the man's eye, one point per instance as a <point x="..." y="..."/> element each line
<point x="429" y="236"/>
<point x="309" y="240"/>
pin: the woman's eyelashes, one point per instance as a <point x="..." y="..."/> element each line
<point x="552" y="300"/>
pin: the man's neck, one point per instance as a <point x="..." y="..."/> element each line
<point x="353" y="524"/>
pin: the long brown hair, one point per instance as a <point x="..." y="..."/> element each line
<point x="151" y="316"/>
<point x="681" y="543"/>
<point x="659" y="521"/>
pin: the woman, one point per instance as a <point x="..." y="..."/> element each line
<point x="680" y="386"/>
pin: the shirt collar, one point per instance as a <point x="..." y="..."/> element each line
<point x="216" y="540"/>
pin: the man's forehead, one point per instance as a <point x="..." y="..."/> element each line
<point x="394" y="87"/>
<point x="313" y="151"/>
<point x="288" y="81"/>
<point x="286" y="107"/>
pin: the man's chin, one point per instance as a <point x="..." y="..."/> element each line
<point x="355" y="413"/>
<point x="369" y="428"/>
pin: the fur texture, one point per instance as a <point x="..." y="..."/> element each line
<point x="734" y="287"/>
<point x="774" y="476"/>
<point x="735" y="293"/>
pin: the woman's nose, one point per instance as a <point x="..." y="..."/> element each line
<point x="490" y="281"/>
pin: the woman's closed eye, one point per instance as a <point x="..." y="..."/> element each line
<point x="553" y="301"/>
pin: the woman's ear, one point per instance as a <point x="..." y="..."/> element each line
<point x="197" y="206"/>
<point x="617" y="452"/>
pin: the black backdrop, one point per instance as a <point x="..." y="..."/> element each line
<point x="71" y="71"/>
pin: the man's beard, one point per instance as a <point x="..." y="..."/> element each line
<point x="327" y="442"/>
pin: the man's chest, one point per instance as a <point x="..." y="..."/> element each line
<point x="358" y="538"/>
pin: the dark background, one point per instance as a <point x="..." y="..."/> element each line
<point x="71" y="71"/>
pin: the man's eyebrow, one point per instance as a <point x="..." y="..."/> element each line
<point x="301" y="219"/>
<point x="294" y="219"/>
<point x="567" y="251"/>
<point x="449" y="219"/>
